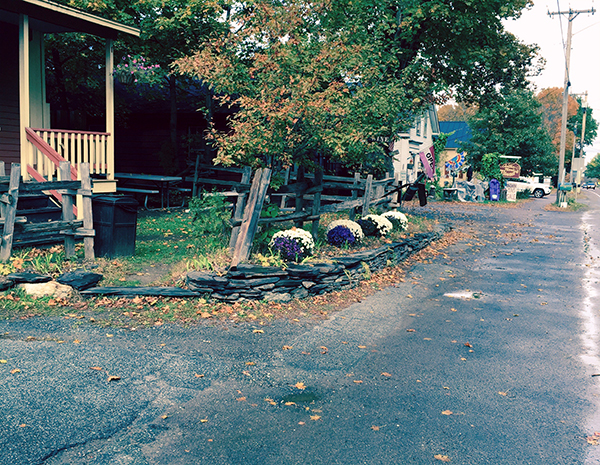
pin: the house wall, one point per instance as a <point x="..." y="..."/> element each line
<point x="9" y="94"/>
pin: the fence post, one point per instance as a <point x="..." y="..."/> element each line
<point x="88" y="221"/>
<point x="67" y="207"/>
<point x="394" y="199"/>
<point x="239" y="208"/>
<point x="355" y="194"/>
<point x="367" y="195"/>
<point x="249" y="225"/>
<point x="299" y="196"/>
<point x="10" y="200"/>
<point x="2" y="173"/>
<point x="317" y="203"/>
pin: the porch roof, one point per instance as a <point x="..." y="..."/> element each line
<point x="48" y="16"/>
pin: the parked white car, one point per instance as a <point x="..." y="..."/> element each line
<point x="538" y="190"/>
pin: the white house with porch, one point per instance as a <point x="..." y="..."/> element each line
<point x="26" y="136"/>
<point x="418" y="138"/>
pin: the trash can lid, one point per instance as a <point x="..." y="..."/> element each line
<point x="111" y="199"/>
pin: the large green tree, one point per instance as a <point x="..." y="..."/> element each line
<point x="342" y="79"/>
<point x="512" y="125"/>
<point x="592" y="169"/>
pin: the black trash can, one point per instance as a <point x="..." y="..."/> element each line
<point x="115" y="221"/>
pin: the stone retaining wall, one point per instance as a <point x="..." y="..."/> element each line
<point x="251" y="282"/>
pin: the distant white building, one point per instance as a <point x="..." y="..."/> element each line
<point x="419" y="138"/>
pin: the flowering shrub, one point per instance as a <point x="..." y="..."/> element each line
<point x="340" y="236"/>
<point x="344" y="232"/>
<point x="375" y="225"/>
<point x="133" y="68"/>
<point x="398" y="219"/>
<point x="293" y="244"/>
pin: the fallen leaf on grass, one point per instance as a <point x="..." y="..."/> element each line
<point x="375" y="428"/>
<point x="76" y="341"/>
<point x="258" y="331"/>
<point x="16" y="370"/>
<point x="3" y="361"/>
<point x="290" y="403"/>
<point x="300" y="385"/>
<point x="357" y="381"/>
<point x="315" y="417"/>
<point x="502" y="393"/>
<point x="96" y="368"/>
<point x="203" y="420"/>
<point x="287" y="347"/>
<point x="241" y="399"/>
<point x="409" y="296"/>
<point x="362" y="347"/>
<point x="164" y="417"/>
<point x="447" y="412"/>
<point x="198" y="376"/>
<point x="301" y="423"/>
<point x="387" y="375"/>
<point x="250" y="363"/>
<point x="468" y="344"/>
<point x="443" y="458"/>
<point x="410" y="330"/>
<point x="113" y="378"/>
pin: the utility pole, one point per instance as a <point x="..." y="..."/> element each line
<point x="571" y="15"/>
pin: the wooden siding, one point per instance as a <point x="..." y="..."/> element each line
<point x="9" y="94"/>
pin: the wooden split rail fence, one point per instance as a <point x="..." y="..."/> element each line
<point x="15" y="227"/>
<point x="309" y="200"/>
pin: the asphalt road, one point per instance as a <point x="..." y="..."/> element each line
<point x="483" y="355"/>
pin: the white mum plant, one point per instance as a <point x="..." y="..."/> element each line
<point x="353" y="226"/>
<point x="293" y="244"/>
<point x="381" y="226"/>
<point x="398" y="219"/>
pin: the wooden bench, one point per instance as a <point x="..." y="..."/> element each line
<point x="136" y="190"/>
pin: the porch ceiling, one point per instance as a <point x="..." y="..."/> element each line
<point x="47" y="16"/>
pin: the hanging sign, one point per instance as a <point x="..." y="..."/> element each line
<point x="510" y="170"/>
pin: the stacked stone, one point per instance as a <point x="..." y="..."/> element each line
<point x="252" y="282"/>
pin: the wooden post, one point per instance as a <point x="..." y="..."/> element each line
<point x="10" y="200"/>
<point x="394" y="199"/>
<point x="88" y="221"/>
<point x="367" y="195"/>
<point x="299" y="196"/>
<point x="355" y="194"/>
<point x="239" y="208"/>
<point x="316" y="208"/>
<point x="249" y="225"/>
<point x="67" y="207"/>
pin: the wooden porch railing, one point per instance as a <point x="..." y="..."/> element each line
<point x="73" y="146"/>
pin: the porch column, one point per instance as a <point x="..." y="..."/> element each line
<point x="110" y="111"/>
<point x="24" y="91"/>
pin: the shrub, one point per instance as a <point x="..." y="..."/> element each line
<point x="293" y="244"/>
<point x="375" y="225"/>
<point x="398" y="219"/>
<point x="344" y="232"/>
